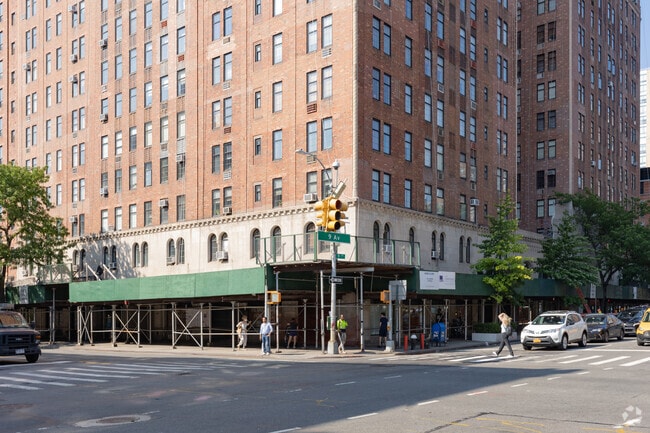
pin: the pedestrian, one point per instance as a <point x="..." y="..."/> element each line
<point x="266" y="329"/>
<point x="292" y="332"/>
<point x="383" y="330"/>
<point x="506" y="332"/>
<point x="242" y="328"/>
<point x="341" y="328"/>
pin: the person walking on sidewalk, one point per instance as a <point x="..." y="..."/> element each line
<point x="242" y="327"/>
<point x="292" y="333"/>
<point x="506" y="332"/>
<point x="341" y="328"/>
<point x="266" y="329"/>
<point x="383" y="330"/>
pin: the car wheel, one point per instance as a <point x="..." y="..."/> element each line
<point x="583" y="340"/>
<point x="622" y="336"/>
<point x="32" y="358"/>
<point x="526" y="347"/>
<point x="639" y="342"/>
<point x="564" y="343"/>
<point x="606" y="337"/>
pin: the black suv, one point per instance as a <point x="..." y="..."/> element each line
<point x="17" y="337"/>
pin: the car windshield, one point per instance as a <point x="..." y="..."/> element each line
<point x="549" y="320"/>
<point x="595" y="319"/>
<point x="628" y="314"/>
<point x="10" y="319"/>
<point x="646" y="318"/>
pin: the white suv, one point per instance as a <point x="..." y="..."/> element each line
<point x="555" y="329"/>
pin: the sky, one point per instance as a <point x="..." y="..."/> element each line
<point x="645" y="34"/>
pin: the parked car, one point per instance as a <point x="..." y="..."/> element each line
<point x="17" y="337"/>
<point x="631" y="319"/>
<point x="602" y="327"/>
<point x="555" y="329"/>
<point x="643" y="330"/>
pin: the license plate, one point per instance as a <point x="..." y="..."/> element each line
<point x="537" y="340"/>
<point x="20" y="351"/>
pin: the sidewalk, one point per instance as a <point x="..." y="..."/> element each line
<point x="131" y="350"/>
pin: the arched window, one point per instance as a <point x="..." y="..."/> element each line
<point x="375" y="236"/>
<point x="75" y="258"/>
<point x="310" y="234"/>
<point x="442" y="246"/>
<point x="386" y="234"/>
<point x="461" y="249"/>
<point x="105" y="256"/>
<point x="82" y="259"/>
<point x="212" y="247"/>
<point x="412" y="241"/>
<point x="223" y="242"/>
<point x="180" y="250"/>
<point x="468" y="251"/>
<point x="255" y="244"/>
<point x="135" y="255"/>
<point x="276" y="241"/>
<point x="113" y="254"/>
<point x="145" y="254"/>
<point x="171" y="252"/>
<point x="434" y="245"/>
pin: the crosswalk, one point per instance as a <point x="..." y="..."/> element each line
<point x="588" y="359"/>
<point x="69" y="374"/>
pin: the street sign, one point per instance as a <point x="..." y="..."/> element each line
<point x="342" y="238"/>
<point x="336" y="280"/>
<point x="340" y="256"/>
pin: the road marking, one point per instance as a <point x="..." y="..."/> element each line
<point x="29" y="388"/>
<point x="553" y="378"/>
<point x="286" y="430"/>
<point x="468" y="359"/>
<point x="362" y="416"/>
<point x="88" y="374"/>
<point x="422" y="403"/>
<point x="110" y="369"/>
<point x="605" y="361"/>
<point x="34" y="381"/>
<point x="51" y="376"/>
<point x="557" y="359"/>
<point x="344" y="383"/>
<point x="519" y="384"/>
<point x="637" y="362"/>
<point x="393" y="377"/>
<point x="580" y="359"/>
<point x="477" y="393"/>
<point x="583" y="372"/>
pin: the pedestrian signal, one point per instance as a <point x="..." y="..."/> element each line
<point x="384" y="296"/>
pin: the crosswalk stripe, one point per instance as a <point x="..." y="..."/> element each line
<point x="109" y="369"/>
<point x="28" y="388"/>
<point x="580" y="359"/>
<point x="606" y="361"/>
<point x="34" y="381"/>
<point x="637" y="362"/>
<point x="51" y="376"/>
<point x="88" y="374"/>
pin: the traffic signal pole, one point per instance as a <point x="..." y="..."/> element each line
<point x="332" y="346"/>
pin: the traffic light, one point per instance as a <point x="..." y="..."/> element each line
<point x="335" y="214"/>
<point x="322" y="212"/>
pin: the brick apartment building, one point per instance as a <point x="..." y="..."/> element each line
<point x="174" y="132"/>
<point x="578" y="103"/>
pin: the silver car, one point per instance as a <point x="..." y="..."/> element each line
<point x="555" y="329"/>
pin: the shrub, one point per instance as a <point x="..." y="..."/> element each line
<point x="490" y="327"/>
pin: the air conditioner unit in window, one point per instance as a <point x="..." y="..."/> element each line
<point x="72" y="79"/>
<point x="180" y="157"/>
<point x="388" y="249"/>
<point x="170" y="260"/>
<point x="103" y="117"/>
<point x="73" y="219"/>
<point x="441" y="132"/>
<point x="163" y="202"/>
<point x="441" y="88"/>
<point x="103" y="191"/>
<point x="310" y="197"/>
<point x="227" y="210"/>
<point x="103" y="43"/>
<point x="74" y="58"/>
<point x="27" y="67"/>
<point x="474" y="202"/>
<point x="72" y="8"/>
<point x="434" y="254"/>
<point x="112" y="266"/>
<point x="593" y="163"/>
<point x="473" y="105"/>
<point x="221" y="255"/>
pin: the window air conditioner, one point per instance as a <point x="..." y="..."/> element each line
<point x="73" y="219"/>
<point x="474" y="202"/>
<point x="310" y="197"/>
<point x="74" y="58"/>
<point x="227" y="210"/>
<point x="388" y="249"/>
<point x="103" y="117"/>
<point x="103" y="191"/>
<point x="434" y="254"/>
<point x="180" y="157"/>
<point x="103" y="43"/>
<point x="170" y="260"/>
<point x="112" y="266"/>
<point x="163" y="202"/>
<point x="221" y="255"/>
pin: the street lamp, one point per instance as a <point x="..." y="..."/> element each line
<point x="335" y="192"/>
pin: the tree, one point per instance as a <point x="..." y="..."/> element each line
<point x="567" y="257"/>
<point x="29" y="235"/>
<point x="502" y="262"/>
<point x="617" y="240"/>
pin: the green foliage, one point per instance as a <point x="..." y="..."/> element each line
<point x="567" y="257"/>
<point x="617" y="240"/>
<point x="502" y="263"/>
<point x="572" y="302"/>
<point x="29" y="235"/>
<point x="487" y="328"/>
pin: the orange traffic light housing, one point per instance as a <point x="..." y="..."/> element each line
<point x="335" y="214"/>
<point x="322" y="212"/>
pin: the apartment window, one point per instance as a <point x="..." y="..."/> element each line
<point x="257" y="146"/>
<point x="551" y="89"/>
<point x="376" y="74"/>
<point x="312" y="87"/>
<point x="133" y="138"/>
<point x="376" y="31"/>
<point x="148" y="15"/>
<point x="164" y="48"/>
<point x="408" y="191"/>
<point x="133" y="63"/>
<point x="552" y="119"/>
<point x="428" y="198"/>
<point x="408" y="99"/>
<point x="164" y="170"/>
<point x="216" y="202"/>
<point x="277" y="96"/>
<point x="148" y="213"/>
<point x="440" y="201"/>
<point x="375" y="185"/>
<point x="550" y="178"/>
<point x="277" y="145"/>
<point x="386" y="187"/>
<point x="327" y="134"/>
<point x="148" y="54"/>
<point x="148" y="174"/>
<point x="277" y="48"/>
<point x="133" y="99"/>
<point x="164" y="88"/>
<point x="408" y="51"/>
<point x="180" y="208"/>
<point x="428" y="153"/>
<point x="551" y="149"/>
<point x="541" y="146"/>
<point x="387" y="89"/>
<point x="277" y="192"/>
<point x="541" y="120"/>
<point x="552" y="60"/>
<point x="387" y="38"/>
<point x="180" y="41"/>
<point x="216" y="26"/>
<point x="387" y="138"/>
<point x="312" y="36"/>
<point x="327" y="37"/>
<point x="133" y="216"/>
<point x="258" y="52"/>
<point x="216" y="159"/>
<point x="312" y="137"/>
<point x="257" y="193"/>
<point x="376" y="125"/>
<point x="539" y="179"/>
<point x="408" y="146"/>
<point x="540" y="208"/>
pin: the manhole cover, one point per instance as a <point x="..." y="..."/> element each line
<point x="113" y="420"/>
